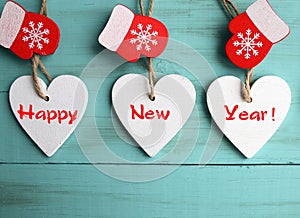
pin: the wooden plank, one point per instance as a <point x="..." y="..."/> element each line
<point x="82" y="191"/>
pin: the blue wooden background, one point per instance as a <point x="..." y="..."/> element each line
<point x="227" y="185"/>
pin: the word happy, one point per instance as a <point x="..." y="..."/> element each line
<point x="232" y="114"/>
<point x="149" y="114"/>
<point x="48" y="115"/>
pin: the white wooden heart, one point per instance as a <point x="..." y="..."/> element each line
<point x="49" y="123"/>
<point x="249" y="125"/>
<point x="153" y="124"/>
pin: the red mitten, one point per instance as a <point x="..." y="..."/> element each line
<point x="132" y="35"/>
<point x="26" y="33"/>
<point x="255" y="31"/>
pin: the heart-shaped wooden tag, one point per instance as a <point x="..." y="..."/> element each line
<point x="153" y="124"/>
<point x="49" y="123"/>
<point x="249" y="125"/>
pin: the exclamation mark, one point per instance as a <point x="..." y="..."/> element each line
<point x="273" y="113"/>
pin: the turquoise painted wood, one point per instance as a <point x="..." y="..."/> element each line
<point x="71" y="184"/>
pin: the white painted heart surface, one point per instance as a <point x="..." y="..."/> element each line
<point x="153" y="124"/>
<point x="49" y="123"/>
<point x="249" y="125"/>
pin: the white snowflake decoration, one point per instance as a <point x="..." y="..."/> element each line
<point x="35" y="35"/>
<point x="144" y="37"/>
<point x="248" y="44"/>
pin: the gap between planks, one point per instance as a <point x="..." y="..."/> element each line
<point x="159" y="164"/>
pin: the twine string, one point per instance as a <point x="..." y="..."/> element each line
<point x="248" y="82"/>
<point x="231" y="8"/>
<point x="43" y="10"/>
<point x="233" y="12"/>
<point x="151" y="73"/>
<point x="143" y="9"/>
<point x="36" y="62"/>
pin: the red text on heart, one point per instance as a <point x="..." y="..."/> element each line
<point x="150" y="114"/>
<point x="233" y="113"/>
<point x="48" y="115"/>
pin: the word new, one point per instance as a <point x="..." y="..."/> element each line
<point x="149" y="115"/>
<point x="48" y="115"/>
<point x="244" y="115"/>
